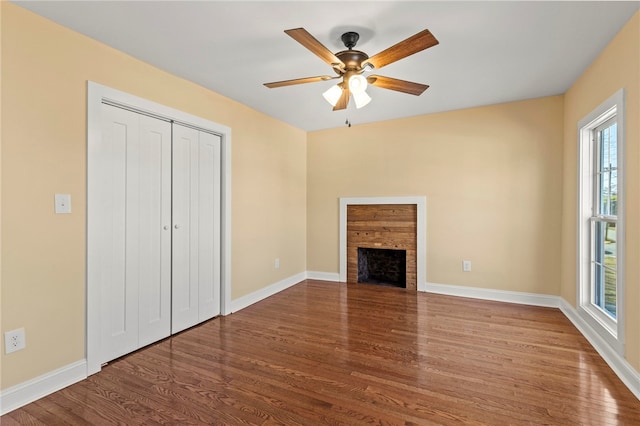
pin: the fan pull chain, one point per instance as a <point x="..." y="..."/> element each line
<point x="347" y="122"/>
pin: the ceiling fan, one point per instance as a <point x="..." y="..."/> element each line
<point x="350" y="64"/>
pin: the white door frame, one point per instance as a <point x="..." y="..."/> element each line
<point x="96" y="95"/>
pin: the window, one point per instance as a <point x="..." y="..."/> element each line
<point x="605" y="218"/>
<point x="601" y="220"/>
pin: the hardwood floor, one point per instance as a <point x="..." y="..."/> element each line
<point x="328" y="353"/>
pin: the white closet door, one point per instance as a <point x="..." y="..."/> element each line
<point x="154" y="230"/>
<point x="134" y="198"/>
<point x="196" y="227"/>
<point x="209" y="227"/>
<point x="119" y="298"/>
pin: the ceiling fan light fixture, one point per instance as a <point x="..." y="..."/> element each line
<point x="357" y="84"/>
<point x="333" y="94"/>
<point x="350" y="64"/>
<point x="361" y="99"/>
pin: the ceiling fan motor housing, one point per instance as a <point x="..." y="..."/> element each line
<point x="352" y="59"/>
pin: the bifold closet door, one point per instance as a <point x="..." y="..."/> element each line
<point x="133" y="230"/>
<point x="196" y="227"/>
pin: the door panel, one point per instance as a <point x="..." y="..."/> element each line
<point x="120" y="134"/>
<point x="135" y="195"/>
<point x="196" y="233"/>
<point x="184" y="279"/>
<point x="154" y="205"/>
<point x="209" y="227"/>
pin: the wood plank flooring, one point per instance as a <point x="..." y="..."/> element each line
<point x="328" y="353"/>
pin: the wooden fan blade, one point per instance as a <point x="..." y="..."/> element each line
<point x="414" y="44"/>
<point x="307" y="40"/>
<point x="298" y="81"/>
<point x="397" y="85"/>
<point x="343" y="101"/>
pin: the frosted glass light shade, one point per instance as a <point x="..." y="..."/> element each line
<point x="361" y="99"/>
<point x="357" y="84"/>
<point x="333" y="94"/>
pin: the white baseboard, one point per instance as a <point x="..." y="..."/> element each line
<point x="629" y="376"/>
<point x="323" y="276"/>
<point x="31" y="390"/>
<point x="496" y="295"/>
<point x="263" y="293"/>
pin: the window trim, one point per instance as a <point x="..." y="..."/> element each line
<point x="612" y="331"/>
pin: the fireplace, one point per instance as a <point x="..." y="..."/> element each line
<point x="393" y="223"/>
<point x="374" y="233"/>
<point x="382" y="266"/>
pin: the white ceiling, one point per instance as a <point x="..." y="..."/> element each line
<point x="489" y="52"/>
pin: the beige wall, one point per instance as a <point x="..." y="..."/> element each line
<point x="45" y="68"/>
<point x="618" y="66"/>
<point x="492" y="177"/>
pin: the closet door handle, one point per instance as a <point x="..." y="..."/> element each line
<point x="177" y="226"/>
<point x="166" y="227"/>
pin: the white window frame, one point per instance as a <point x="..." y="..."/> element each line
<point x="611" y="330"/>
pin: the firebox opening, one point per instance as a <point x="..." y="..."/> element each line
<point x="382" y="266"/>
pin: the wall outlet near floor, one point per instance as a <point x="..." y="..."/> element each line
<point x="14" y="340"/>
<point x="276" y="263"/>
<point x="466" y="265"/>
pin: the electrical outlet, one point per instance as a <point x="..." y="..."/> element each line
<point x="276" y="263"/>
<point x="466" y="265"/>
<point x="14" y="340"/>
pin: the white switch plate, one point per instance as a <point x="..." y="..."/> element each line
<point x="276" y="263"/>
<point x="466" y="265"/>
<point x="63" y="203"/>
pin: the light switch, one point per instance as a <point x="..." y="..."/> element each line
<point x="63" y="203"/>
